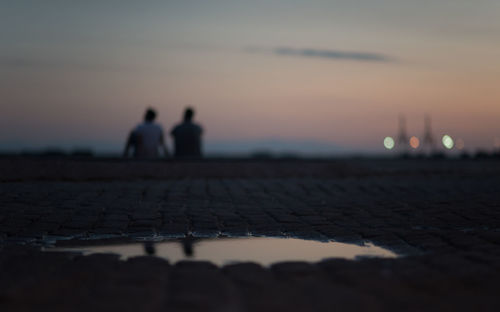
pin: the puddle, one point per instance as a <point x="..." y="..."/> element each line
<point x="223" y="251"/>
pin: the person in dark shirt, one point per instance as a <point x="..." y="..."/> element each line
<point x="187" y="137"/>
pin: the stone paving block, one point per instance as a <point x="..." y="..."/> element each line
<point x="200" y="285"/>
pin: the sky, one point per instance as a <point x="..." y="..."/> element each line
<point x="304" y="75"/>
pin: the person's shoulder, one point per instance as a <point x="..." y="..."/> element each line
<point x="138" y="127"/>
<point x="175" y="128"/>
<point x="199" y="127"/>
<point x="157" y="126"/>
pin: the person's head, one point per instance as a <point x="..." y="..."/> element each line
<point x="188" y="114"/>
<point x="150" y="115"/>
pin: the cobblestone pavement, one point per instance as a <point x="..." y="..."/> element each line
<point x="444" y="216"/>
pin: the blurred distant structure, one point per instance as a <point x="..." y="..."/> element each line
<point x="428" y="142"/>
<point x="402" y="138"/>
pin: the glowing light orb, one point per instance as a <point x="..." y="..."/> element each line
<point x="447" y="141"/>
<point x="389" y="143"/>
<point x="414" y="142"/>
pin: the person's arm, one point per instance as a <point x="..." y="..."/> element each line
<point x="129" y="144"/>
<point x="164" y="146"/>
<point x="200" y="141"/>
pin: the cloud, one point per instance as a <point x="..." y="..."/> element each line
<point x="334" y="54"/>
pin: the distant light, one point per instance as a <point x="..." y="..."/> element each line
<point x="389" y="143"/>
<point x="414" y="142"/>
<point x="460" y="144"/>
<point x="447" y="141"/>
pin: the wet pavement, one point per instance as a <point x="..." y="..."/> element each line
<point x="443" y="215"/>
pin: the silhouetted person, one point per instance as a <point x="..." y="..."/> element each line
<point x="187" y="137"/>
<point x="146" y="138"/>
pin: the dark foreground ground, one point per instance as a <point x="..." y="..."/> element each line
<point x="443" y="215"/>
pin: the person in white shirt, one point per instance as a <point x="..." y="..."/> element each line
<point x="146" y="139"/>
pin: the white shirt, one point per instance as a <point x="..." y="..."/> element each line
<point x="147" y="138"/>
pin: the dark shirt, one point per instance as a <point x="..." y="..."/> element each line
<point x="187" y="139"/>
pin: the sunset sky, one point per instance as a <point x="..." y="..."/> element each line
<point x="298" y="73"/>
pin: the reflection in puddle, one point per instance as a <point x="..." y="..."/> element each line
<point x="222" y="251"/>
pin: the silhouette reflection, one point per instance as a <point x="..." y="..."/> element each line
<point x="149" y="248"/>
<point x="224" y="250"/>
<point x="187" y="244"/>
